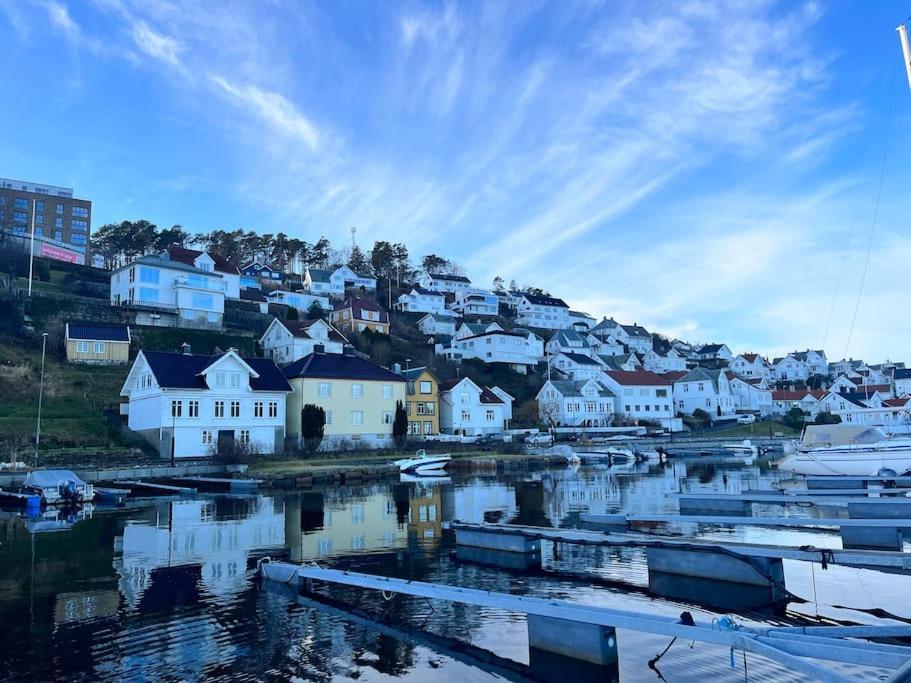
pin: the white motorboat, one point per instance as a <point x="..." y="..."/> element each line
<point x="842" y="449"/>
<point x="423" y="464"/>
<point x="59" y="487"/>
<point x="745" y="448"/>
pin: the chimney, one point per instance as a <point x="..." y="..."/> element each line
<point x="234" y="349"/>
<point x="348" y="351"/>
<point x="319" y="349"/>
<point x="185" y="349"/>
<point x="397" y="368"/>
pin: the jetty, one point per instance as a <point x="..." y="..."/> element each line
<point x="584" y="633"/>
<point x="148" y="488"/>
<point x="218" y="484"/>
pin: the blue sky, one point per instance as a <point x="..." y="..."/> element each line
<point x="709" y="170"/>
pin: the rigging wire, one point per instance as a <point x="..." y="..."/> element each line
<point x="879" y="191"/>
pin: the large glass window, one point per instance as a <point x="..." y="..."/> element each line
<point x="59" y="211"/>
<point x="202" y="301"/>
<point x="21" y="203"/>
<point x="77" y="238"/>
<point x="58" y="222"/>
<point x="39" y="206"/>
<point x="80" y="212"/>
<point x="20" y="217"/>
<point x="148" y="294"/>
<point x="81" y="226"/>
<point x="148" y="275"/>
<point x="324" y="390"/>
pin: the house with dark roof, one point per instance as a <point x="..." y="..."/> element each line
<point x="189" y="406"/>
<point x="255" y="296"/>
<point x="859" y="408"/>
<point x="420" y="300"/>
<point x="576" y="366"/>
<point x="438" y="324"/>
<point x="581" y="403"/>
<point x="469" y="409"/>
<point x="784" y="400"/>
<point x="359" y="315"/>
<point x="713" y="352"/>
<point x="569" y="340"/>
<point x="520" y="349"/>
<point x="97" y="343"/>
<point x="357" y="395"/>
<point x="255" y="271"/>
<point x="210" y="262"/>
<point x="751" y="395"/>
<point x="750" y="365"/>
<point x="581" y="321"/>
<point x="285" y="341"/>
<point x="335" y="282"/>
<point x="541" y="311"/>
<point x="444" y="282"/>
<point x="708" y="390"/>
<point x="901" y="381"/>
<point x="163" y="291"/>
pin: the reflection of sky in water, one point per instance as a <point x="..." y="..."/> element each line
<point x="166" y="590"/>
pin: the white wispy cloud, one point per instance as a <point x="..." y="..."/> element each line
<point x="157" y="45"/>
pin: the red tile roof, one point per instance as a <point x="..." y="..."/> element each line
<point x="796" y="395"/>
<point x="674" y="375"/>
<point x="638" y="378"/>
<point x="750" y="357"/>
<point x="870" y="388"/>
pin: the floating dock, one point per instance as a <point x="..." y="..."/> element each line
<point x="849" y="482"/>
<point x="147" y="488"/>
<point x="218" y="484"/>
<point x="742" y="503"/>
<point x="29" y="502"/>
<point x="579" y="632"/>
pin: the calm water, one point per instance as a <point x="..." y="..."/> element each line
<point x="165" y="590"/>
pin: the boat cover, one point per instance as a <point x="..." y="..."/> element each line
<point x="51" y="478"/>
<point x="840" y="435"/>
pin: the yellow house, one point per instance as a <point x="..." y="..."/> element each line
<point x="423" y="402"/>
<point x="359" y="315"/>
<point x="99" y="343"/>
<point x="359" y="397"/>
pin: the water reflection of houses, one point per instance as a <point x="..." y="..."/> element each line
<point x="568" y="492"/>
<point x="481" y="501"/>
<point x="195" y="539"/>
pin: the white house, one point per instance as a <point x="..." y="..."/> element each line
<point x="204" y="403"/>
<point x="859" y="409"/>
<point x="580" y="321"/>
<point x="576" y="366"/>
<point x="517" y="349"/>
<point x="547" y="312"/>
<point x="472" y="410"/>
<point x="435" y="324"/>
<point x="653" y="361"/>
<point x="584" y="403"/>
<point x="475" y="302"/>
<point x="840" y="367"/>
<point x="643" y="395"/>
<point x="606" y="345"/>
<point x="420" y="300"/>
<point x="815" y="361"/>
<point x="284" y="341"/>
<point x="713" y="352"/>
<point x="444" y="282"/>
<point x="749" y="365"/>
<point x="302" y="301"/>
<point x="708" y="390"/>
<point x="161" y="291"/>
<point x="626" y="361"/>
<point x="211" y="263"/>
<point x="333" y="283"/>
<point x="783" y="401"/>
<point x="789" y="368"/>
<point x="568" y="340"/>
<point x="901" y="381"/>
<point x="751" y="395"/>
<point x="636" y="337"/>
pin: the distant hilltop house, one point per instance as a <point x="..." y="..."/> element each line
<point x="444" y="282"/>
<point x="750" y="365"/>
<point x="634" y="337"/>
<point x="299" y="300"/>
<point x="360" y="315"/>
<point x="436" y="324"/>
<point x="286" y="341"/>
<point x="97" y="343"/>
<point x="334" y="283"/>
<point x="469" y="409"/>
<point x="475" y="302"/>
<point x="193" y="405"/>
<point x="254" y="273"/>
<point x="800" y="365"/>
<point x="543" y="312"/>
<point x="519" y="348"/>
<point x="712" y="352"/>
<point x="581" y="322"/>
<point x="210" y="262"/>
<point x="157" y="290"/>
<point x="420" y="300"/>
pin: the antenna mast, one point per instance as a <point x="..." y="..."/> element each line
<point x="906" y="49"/>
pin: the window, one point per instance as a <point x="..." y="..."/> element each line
<point x="206" y="437"/>
<point x="429" y="408"/>
<point x="82" y="347"/>
<point x="428" y="427"/>
<point x="219" y="379"/>
<point x="244" y="436"/>
<point x="661" y="393"/>
<point x="79" y="225"/>
<point x="235" y="408"/>
<point x="203" y="301"/>
<point x="235" y="379"/>
<point x="59" y="210"/>
<point x="58" y="222"/>
<point x="76" y="238"/>
<point x="176" y="408"/>
<point x="20" y="217"/>
<point x="78" y="211"/>
<point x="148" y="294"/>
<point x="149" y="275"/>
<point x="357" y="391"/>
<point x="219" y="408"/>
<point x="273" y="408"/>
<point x="387" y="417"/>
<point x="324" y="390"/>
<point x="420" y="409"/>
<point x="414" y="428"/>
<point x="193" y="409"/>
<point x="99" y="347"/>
<point x="21" y="203"/>
<point x="426" y="387"/>
<point x="258" y="407"/>
<point x="357" y="417"/>
<point x="490" y="416"/>
<point x="58" y="235"/>
<point x="466" y="416"/>
<point x="387" y="391"/>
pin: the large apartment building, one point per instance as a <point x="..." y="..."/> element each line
<point x="63" y="223"/>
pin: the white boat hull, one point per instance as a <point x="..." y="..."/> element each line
<point x="853" y="462"/>
<point x="423" y="466"/>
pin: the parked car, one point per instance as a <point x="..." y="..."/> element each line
<point x="746" y="419"/>
<point x="538" y="439"/>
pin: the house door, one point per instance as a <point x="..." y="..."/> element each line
<point x="225" y="440"/>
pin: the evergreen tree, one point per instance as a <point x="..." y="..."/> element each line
<point x="313" y="426"/>
<point x="400" y="426"/>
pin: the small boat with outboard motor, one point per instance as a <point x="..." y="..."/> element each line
<point x="423" y="464"/>
<point x="58" y="487"/>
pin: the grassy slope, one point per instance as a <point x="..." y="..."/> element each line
<point x="757" y="429"/>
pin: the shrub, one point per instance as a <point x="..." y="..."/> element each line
<point x="313" y="427"/>
<point x="235" y="452"/>
<point x="827" y="418"/>
<point x="795" y="418"/>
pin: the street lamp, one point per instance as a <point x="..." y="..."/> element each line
<point x="407" y="364"/>
<point x="40" y="394"/>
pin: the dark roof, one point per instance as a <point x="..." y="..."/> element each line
<point x="252" y="294"/>
<point x="710" y="348"/>
<point x="902" y="373"/>
<point x="580" y="358"/>
<point x="414" y="373"/>
<point x="541" y="300"/>
<point x="636" y="330"/>
<point x="357" y="307"/>
<point x="300" y="328"/>
<point x="98" y="331"/>
<point x="187" y="256"/>
<point x="183" y="371"/>
<point x="339" y="366"/>
<point x="428" y="292"/>
<point x="487" y="396"/>
<point x="448" y="384"/>
<point x="451" y="278"/>
<point x="855" y="397"/>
